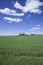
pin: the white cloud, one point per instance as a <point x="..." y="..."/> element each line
<point x="10" y="20"/>
<point x="29" y="15"/>
<point x="31" y="6"/>
<point x="17" y="5"/>
<point x="8" y="11"/>
<point x="36" y="30"/>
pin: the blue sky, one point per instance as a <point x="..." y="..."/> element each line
<point x="21" y="16"/>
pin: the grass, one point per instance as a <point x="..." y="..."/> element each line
<point x="21" y="50"/>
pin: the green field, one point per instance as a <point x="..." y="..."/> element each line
<point x="21" y="50"/>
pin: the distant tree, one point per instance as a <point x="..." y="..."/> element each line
<point x="32" y="34"/>
<point x="22" y="34"/>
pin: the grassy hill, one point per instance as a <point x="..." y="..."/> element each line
<point x="21" y="50"/>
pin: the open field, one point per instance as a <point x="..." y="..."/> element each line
<point x="21" y="50"/>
